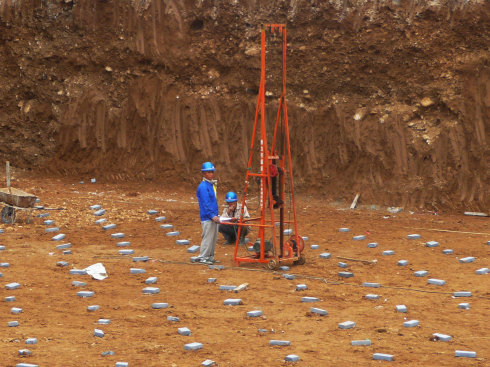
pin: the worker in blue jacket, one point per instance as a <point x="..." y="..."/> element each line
<point x="208" y="206"/>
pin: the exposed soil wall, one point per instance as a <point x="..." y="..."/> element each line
<point x="389" y="98"/>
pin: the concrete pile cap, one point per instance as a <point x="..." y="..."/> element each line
<point x="15" y="310"/>
<point x="310" y="299"/>
<point x="183" y="242"/>
<point x="318" y="311"/>
<point x="52" y="229"/>
<point x="289" y="276"/>
<point x="12" y="286"/>
<point x="99" y="333"/>
<point x="152" y="211"/>
<point x="315" y="247"/>
<point x="160" y="219"/>
<point x="388" y="253"/>
<point x="255" y="313"/>
<point x="140" y="259"/>
<point x="466" y="260"/>
<point x="359" y="238"/>
<point x="281" y="343"/>
<point x="193" y="346"/>
<point x="108" y="226"/>
<point x="291" y="358"/>
<point x="26" y="365"/>
<point x="411" y="323"/>
<point x="24" y="352"/>
<point x="372" y="296"/>
<point x="462" y="294"/>
<point x="184" y="331"/>
<point x="464" y="306"/>
<point x="347" y="325"/>
<point x="63" y="246"/>
<point x="117" y="235"/>
<point x="208" y="362"/>
<point x="77" y="283"/>
<point x="173" y="318"/>
<point x="151" y="290"/>
<point x="103" y="321"/>
<point x="465" y="353"/>
<point x="123" y="244"/>
<point x="58" y="237"/>
<point x="301" y="287"/>
<point x="122" y="364"/>
<point x="345" y="274"/>
<point x="448" y="251"/>
<point x="232" y="301"/>
<point x="77" y="272"/>
<point x="383" y="357"/>
<point x="325" y="255"/>
<point x="175" y="233"/>
<point x="436" y="281"/>
<point x="344" y="229"/>
<point x="402" y="262"/>
<point x="401" y="308"/>
<point x="372" y="245"/>
<point x="100" y="212"/>
<point x="441" y="337"/>
<point x="372" y="285"/>
<point x="342" y="264"/>
<point x="365" y="342"/>
<point x="193" y="249"/>
<point x="159" y="305"/>
<point x="167" y="226"/>
<point x="126" y="252"/>
<point x="482" y="271"/>
<point x="414" y="236"/>
<point x="432" y="244"/>
<point x="421" y="273"/>
<point x="95" y="207"/>
<point x="227" y="287"/>
<point x="31" y="341"/>
<point x="151" y="280"/>
<point x="85" y="294"/>
<point x="137" y="271"/>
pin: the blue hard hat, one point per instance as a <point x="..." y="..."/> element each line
<point x="207" y="167"/>
<point x="231" y="197"/>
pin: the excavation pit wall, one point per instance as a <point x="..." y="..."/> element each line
<point x="387" y="99"/>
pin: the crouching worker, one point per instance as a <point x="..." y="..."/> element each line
<point x="231" y="214"/>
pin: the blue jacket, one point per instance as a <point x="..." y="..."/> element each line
<point x="208" y="204"/>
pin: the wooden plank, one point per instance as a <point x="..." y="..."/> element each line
<point x="354" y="203"/>
<point x="7" y="175"/>
<point x="240" y="288"/>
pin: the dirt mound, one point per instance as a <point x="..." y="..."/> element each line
<point x="387" y="98"/>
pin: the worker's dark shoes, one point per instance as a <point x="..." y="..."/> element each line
<point x="228" y="243"/>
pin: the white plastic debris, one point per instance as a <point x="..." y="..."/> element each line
<point x="97" y="271"/>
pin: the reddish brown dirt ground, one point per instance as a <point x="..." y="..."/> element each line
<point x="142" y="336"/>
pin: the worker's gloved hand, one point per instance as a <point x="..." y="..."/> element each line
<point x="234" y="220"/>
<point x="216" y="219"/>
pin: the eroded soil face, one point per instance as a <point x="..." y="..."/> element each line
<point x="142" y="336"/>
<point x="389" y="98"/>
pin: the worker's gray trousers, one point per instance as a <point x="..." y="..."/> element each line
<point x="209" y="238"/>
